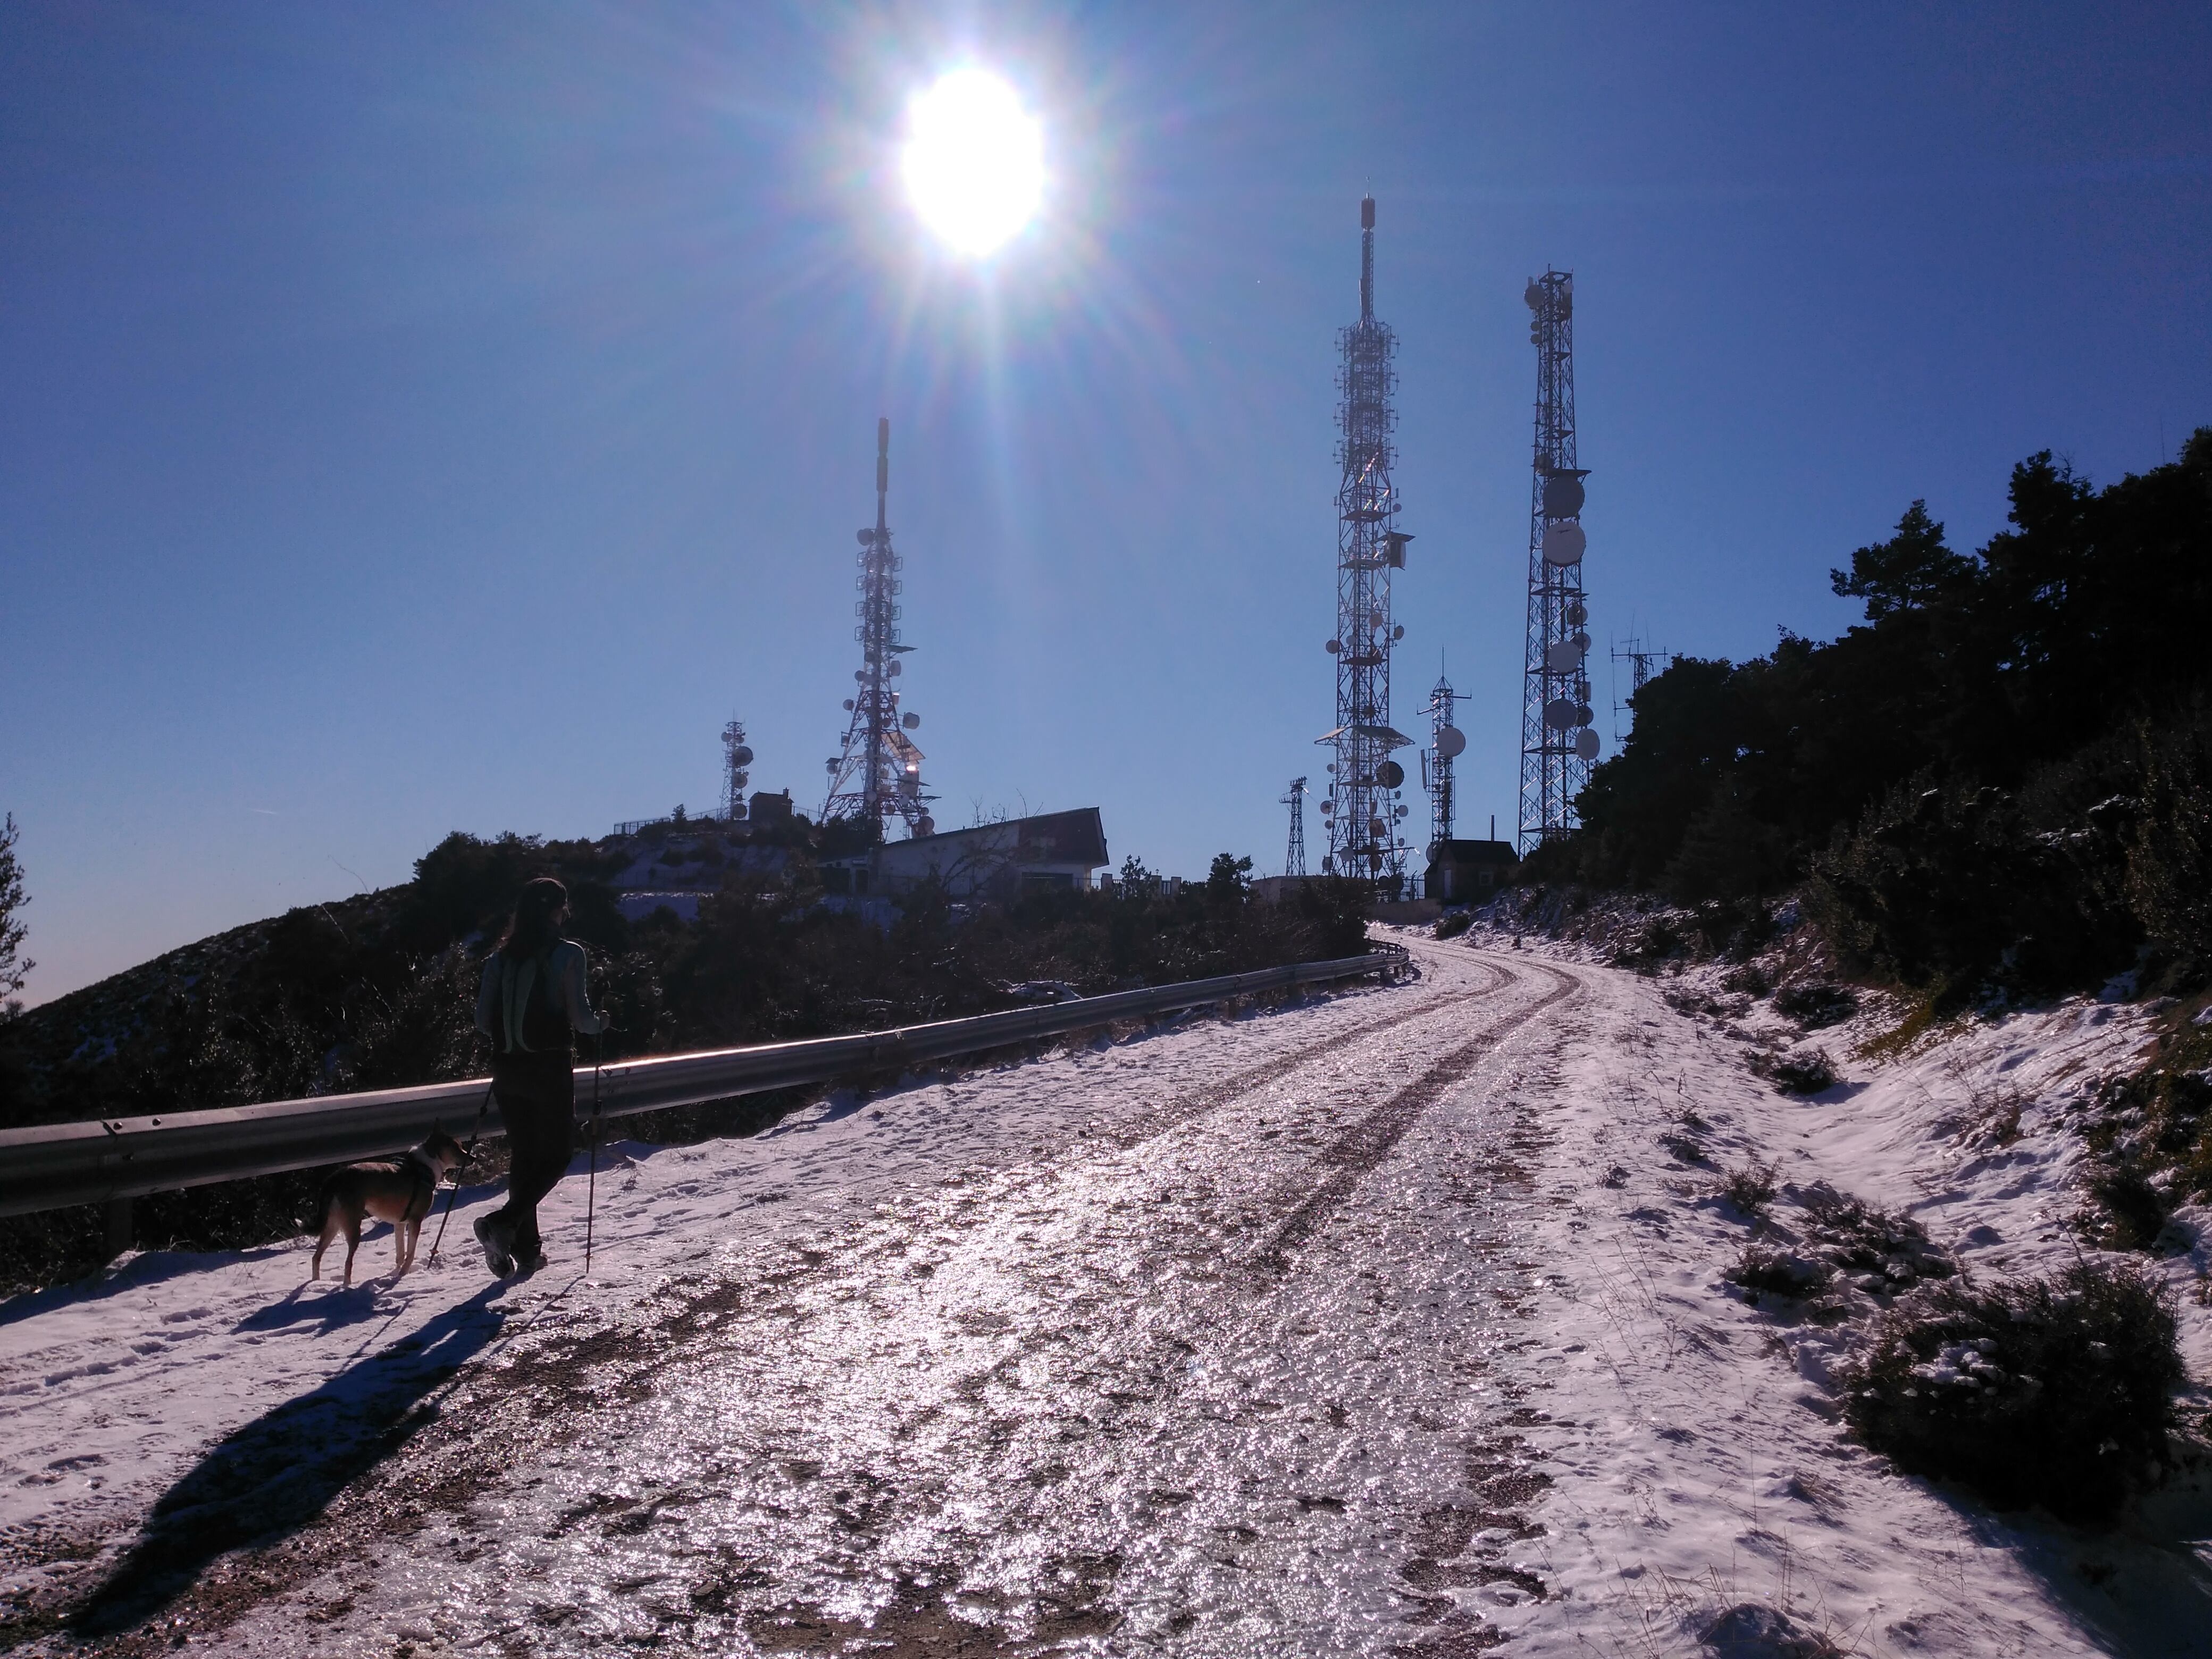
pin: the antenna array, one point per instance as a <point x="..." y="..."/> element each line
<point x="1556" y="742"/>
<point x="1361" y="809"/>
<point x="877" y="776"/>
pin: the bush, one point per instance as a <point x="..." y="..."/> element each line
<point x="1762" y="1269"/>
<point x="1891" y="1253"/>
<point x="1453" y="923"/>
<point x="2136" y="1211"/>
<point x="1816" y="1006"/>
<point x="2057" y="1392"/>
<point x="1750" y="1189"/>
<point x="1805" y="1072"/>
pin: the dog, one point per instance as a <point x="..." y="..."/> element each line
<point x="399" y="1191"/>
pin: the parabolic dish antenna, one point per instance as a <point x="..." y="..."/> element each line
<point x="741" y="755"/>
<point x="925" y="825"/>
<point x="912" y="722"/>
<point x="1564" y="542"/>
<point x="1584" y="713"/>
<point x="1562" y="657"/>
<point x="1390" y="775"/>
<point x="1534" y="295"/>
<point x="1559" y="713"/>
<point x="1451" y="743"/>
<point x="1563" y="496"/>
<point x="1586" y="744"/>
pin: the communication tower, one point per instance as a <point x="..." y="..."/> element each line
<point x="1447" y="743"/>
<point x="1361" y="809"/>
<point x="736" y="755"/>
<point x="1639" y="656"/>
<point x="877" y="776"/>
<point x="1556" y="742"/>
<point x="1294" y="860"/>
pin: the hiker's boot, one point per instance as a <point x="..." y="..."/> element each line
<point x="498" y="1245"/>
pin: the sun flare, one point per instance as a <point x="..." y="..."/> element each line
<point x="973" y="161"/>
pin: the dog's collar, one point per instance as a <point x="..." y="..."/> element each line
<point x="426" y="1165"/>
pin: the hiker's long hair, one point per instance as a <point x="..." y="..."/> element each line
<point x="530" y="930"/>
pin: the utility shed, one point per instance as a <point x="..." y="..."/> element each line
<point x="989" y="860"/>
<point x="1468" y="872"/>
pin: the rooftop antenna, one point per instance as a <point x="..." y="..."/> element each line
<point x="1556" y="742"/>
<point x="1294" y="860"/>
<point x="1361" y="809"/>
<point x="1640" y="656"/>
<point x="877" y="775"/>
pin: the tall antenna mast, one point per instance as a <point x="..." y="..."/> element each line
<point x="736" y="755"/>
<point x="879" y="774"/>
<point x="1294" y="860"/>
<point x="1361" y="809"/>
<point x="1557" y="743"/>
<point x="1447" y="743"/>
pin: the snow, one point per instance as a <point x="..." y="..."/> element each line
<point x="1380" y="1323"/>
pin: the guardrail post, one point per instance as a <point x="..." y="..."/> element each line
<point x="118" y="1235"/>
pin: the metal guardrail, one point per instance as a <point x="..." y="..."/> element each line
<point x="52" y="1165"/>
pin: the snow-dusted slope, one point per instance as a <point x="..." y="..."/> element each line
<point x="1380" y="1324"/>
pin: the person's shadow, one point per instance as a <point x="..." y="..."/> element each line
<point x="277" y="1472"/>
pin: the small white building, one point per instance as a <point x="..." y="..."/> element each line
<point x="1051" y="850"/>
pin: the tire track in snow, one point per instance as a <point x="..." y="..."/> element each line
<point x="1359" y="1149"/>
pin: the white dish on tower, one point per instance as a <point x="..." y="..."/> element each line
<point x="1564" y="545"/>
<point x="1559" y="713"/>
<point x="1451" y="743"/>
<point x="1562" y="657"/>
<point x="1586" y="744"/>
<point x="1563" y="495"/>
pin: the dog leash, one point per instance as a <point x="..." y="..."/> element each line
<point x="455" y="1191"/>
<point x="592" y="1188"/>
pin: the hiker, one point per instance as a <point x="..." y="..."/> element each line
<point x="530" y="998"/>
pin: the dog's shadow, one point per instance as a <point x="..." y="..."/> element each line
<point x="277" y="1472"/>
<point x="337" y="1306"/>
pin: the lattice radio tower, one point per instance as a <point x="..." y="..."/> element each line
<point x="736" y="755"/>
<point x="1362" y="808"/>
<point x="1556" y="742"/>
<point x="1447" y="743"/>
<point x="879" y="775"/>
<point x="1294" y="860"/>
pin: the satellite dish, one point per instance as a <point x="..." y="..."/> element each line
<point x="892" y="668"/>
<point x="742" y="779"/>
<point x="1451" y="743"/>
<point x="912" y="722"/>
<point x="1563" y="496"/>
<point x="1577" y="613"/>
<point x="861" y="675"/>
<point x="867" y="536"/>
<point x="848" y="705"/>
<point x="1390" y="775"/>
<point x="1328" y="807"/>
<point x="1564" y="542"/>
<point x="1562" y="657"/>
<point x="741" y="755"/>
<point x="925" y="825"/>
<point x="1399" y="632"/>
<point x="1559" y="713"/>
<point x="1586" y="744"/>
<point x="1582" y="643"/>
<point x="1533" y="294"/>
<point x="1400" y="813"/>
<point x="1333" y="647"/>
<point x="1584" y="713"/>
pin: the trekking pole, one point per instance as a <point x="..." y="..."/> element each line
<point x="592" y="1187"/>
<point x="454" y="1191"/>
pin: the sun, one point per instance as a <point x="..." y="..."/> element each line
<point x="973" y="161"/>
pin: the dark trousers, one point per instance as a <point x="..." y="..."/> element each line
<point x="538" y="1103"/>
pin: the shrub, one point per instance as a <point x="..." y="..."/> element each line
<point x="2135" y="1210"/>
<point x="1815" y="1005"/>
<point x="2057" y="1392"/>
<point x="1453" y="923"/>
<point x="1750" y="1187"/>
<point x="1805" y="1072"/>
<point x="1891" y="1253"/>
<point x="1761" y="1268"/>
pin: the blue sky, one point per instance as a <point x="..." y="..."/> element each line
<point x="416" y="418"/>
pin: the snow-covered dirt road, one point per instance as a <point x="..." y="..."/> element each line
<point x="1378" y="1324"/>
